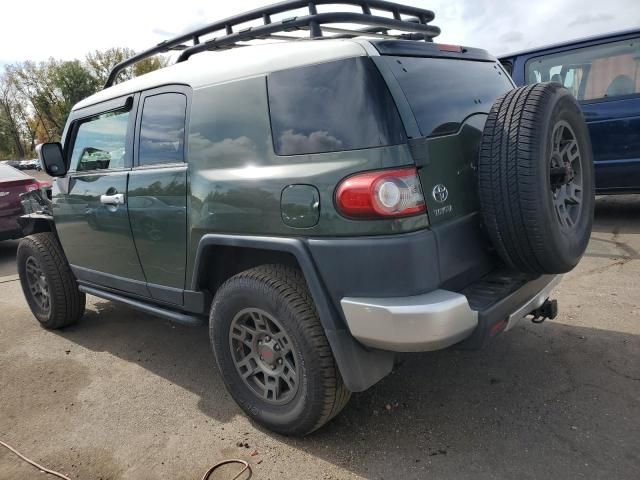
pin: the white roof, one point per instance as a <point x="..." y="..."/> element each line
<point x="210" y="68"/>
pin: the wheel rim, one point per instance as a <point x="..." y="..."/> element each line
<point x="264" y="356"/>
<point x="38" y="285"/>
<point x="566" y="175"/>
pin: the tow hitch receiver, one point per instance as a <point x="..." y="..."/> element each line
<point x="548" y="310"/>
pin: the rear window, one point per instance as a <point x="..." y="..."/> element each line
<point x="341" y="105"/>
<point x="442" y="92"/>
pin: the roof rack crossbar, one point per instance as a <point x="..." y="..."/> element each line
<point x="415" y="24"/>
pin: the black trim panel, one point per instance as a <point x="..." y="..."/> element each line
<point x="177" y="317"/>
<point x="187" y="300"/>
<point x="166" y="294"/>
<point x="382" y="266"/>
<point x="126" y="285"/>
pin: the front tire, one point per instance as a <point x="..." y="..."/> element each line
<point x="47" y="281"/>
<point x="272" y="351"/>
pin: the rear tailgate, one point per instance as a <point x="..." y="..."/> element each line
<point x="450" y="97"/>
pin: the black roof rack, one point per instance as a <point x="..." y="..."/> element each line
<point x="412" y="21"/>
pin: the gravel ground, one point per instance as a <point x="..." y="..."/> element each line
<point x="124" y="395"/>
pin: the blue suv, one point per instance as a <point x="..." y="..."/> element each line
<point x="603" y="73"/>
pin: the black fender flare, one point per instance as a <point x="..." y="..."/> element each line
<point x="36" y="223"/>
<point x="360" y="367"/>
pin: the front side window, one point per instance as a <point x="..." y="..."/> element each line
<point x="334" y="106"/>
<point x="101" y="143"/>
<point x="162" y="129"/>
<point x="592" y="73"/>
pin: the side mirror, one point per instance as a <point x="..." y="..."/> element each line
<point x="52" y="159"/>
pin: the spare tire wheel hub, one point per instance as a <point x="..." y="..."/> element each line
<point x="566" y="175"/>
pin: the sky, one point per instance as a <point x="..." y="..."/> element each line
<point x="68" y="29"/>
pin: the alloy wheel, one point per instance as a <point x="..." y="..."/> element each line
<point x="38" y="285"/>
<point x="566" y="175"/>
<point x="264" y="356"/>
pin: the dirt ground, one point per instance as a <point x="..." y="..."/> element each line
<point x="124" y="395"/>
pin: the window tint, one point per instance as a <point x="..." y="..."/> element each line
<point x="101" y="143"/>
<point x="592" y="73"/>
<point x="341" y="105"/>
<point x="443" y="92"/>
<point x="162" y="129"/>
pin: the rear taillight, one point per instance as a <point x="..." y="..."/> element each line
<point x="380" y="194"/>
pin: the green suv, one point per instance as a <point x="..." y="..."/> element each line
<point x="323" y="203"/>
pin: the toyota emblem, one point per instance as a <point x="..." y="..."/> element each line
<point x="440" y="193"/>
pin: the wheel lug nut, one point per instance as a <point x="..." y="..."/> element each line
<point x="277" y="348"/>
<point x="279" y="361"/>
<point x="267" y="339"/>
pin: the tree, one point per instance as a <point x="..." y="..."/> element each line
<point x="73" y="82"/>
<point x="36" y="84"/>
<point x="149" y="65"/>
<point x="100" y="63"/>
<point x="12" y="120"/>
<point x="36" y="98"/>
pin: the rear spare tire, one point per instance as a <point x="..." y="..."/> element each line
<point x="536" y="181"/>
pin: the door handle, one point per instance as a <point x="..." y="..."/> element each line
<point x="116" y="199"/>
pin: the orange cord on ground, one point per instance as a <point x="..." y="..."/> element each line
<point x="64" y="477"/>
<point x="31" y="462"/>
<point x="225" y="462"/>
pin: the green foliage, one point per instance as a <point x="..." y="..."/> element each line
<point x="100" y="63"/>
<point x="36" y="98"/>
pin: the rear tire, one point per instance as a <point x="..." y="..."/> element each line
<point x="536" y="181"/>
<point x="265" y="330"/>
<point x="48" y="282"/>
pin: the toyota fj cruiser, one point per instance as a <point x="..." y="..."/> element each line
<point x="326" y="202"/>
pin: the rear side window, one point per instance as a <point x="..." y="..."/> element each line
<point x="162" y="129"/>
<point x="592" y="73"/>
<point x="443" y="92"/>
<point x="341" y="105"/>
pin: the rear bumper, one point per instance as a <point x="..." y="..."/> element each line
<point x="434" y="320"/>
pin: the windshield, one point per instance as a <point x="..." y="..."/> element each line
<point x="443" y="92"/>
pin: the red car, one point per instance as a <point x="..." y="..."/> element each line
<point x="13" y="183"/>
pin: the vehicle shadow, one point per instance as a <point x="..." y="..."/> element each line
<point x="178" y="353"/>
<point x="617" y="214"/>
<point x="524" y="408"/>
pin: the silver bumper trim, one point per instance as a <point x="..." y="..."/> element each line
<point x="535" y="302"/>
<point x="431" y="321"/>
